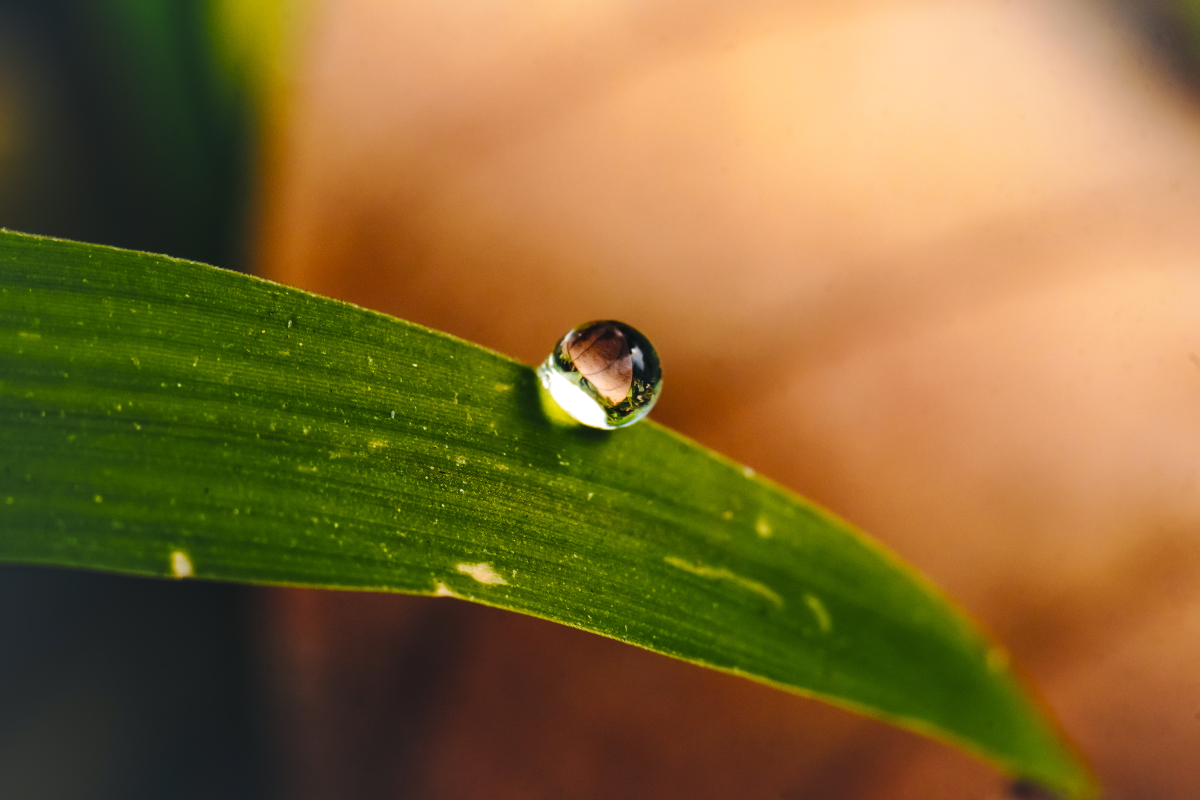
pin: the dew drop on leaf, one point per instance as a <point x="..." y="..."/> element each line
<point x="602" y="374"/>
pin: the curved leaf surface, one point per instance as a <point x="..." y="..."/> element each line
<point x="161" y="417"/>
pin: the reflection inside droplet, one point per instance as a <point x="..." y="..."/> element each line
<point x="602" y="374"/>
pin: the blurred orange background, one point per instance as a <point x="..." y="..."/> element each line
<point x="933" y="264"/>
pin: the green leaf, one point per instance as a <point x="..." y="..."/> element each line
<point x="160" y="417"/>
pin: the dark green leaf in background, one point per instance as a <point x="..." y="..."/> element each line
<point x="160" y="417"/>
<point x="131" y="122"/>
<point x="128" y="122"/>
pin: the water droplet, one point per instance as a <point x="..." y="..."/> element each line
<point x="602" y="374"/>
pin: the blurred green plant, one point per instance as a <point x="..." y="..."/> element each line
<point x="129" y="122"/>
<point x="160" y="417"/>
<point x="132" y="122"/>
<point x="1171" y="28"/>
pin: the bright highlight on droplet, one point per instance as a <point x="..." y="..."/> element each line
<point x="602" y="374"/>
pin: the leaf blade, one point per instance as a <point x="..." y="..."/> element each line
<point x="167" y="418"/>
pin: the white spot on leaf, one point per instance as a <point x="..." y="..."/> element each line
<point x="483" y="573"/>
<point x="442" y="590"/>
<point x="824" y="622"/>
<point x="722" y="574"/>
<point x="181" y="565"/>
